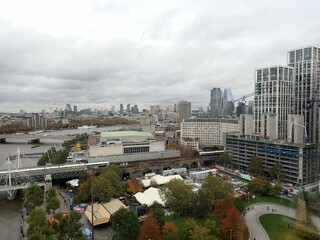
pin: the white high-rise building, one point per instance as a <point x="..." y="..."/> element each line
<point x="273" y="100"/>
<point x="306" y="63"/>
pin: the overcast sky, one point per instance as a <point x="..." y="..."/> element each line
<point x="102" y="53"/>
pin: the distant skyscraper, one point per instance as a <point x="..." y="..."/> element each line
<point x="184" y="109"/>
<point x="75" y="108"/>
<point x="227" y="103"/>
<point x="175" y="107"/>
<point x="215" y="102"/>
<point x="242" y="108"/>
<point x="135" y="109"/>
<point x="68" y="108"/>
<point x="273" y="97"/>
<point x="128" y="108"/>
<point x="121" y="108"/>
<point x="306" y="63"/>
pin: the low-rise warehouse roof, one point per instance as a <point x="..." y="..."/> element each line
<point x="117" y="134"/>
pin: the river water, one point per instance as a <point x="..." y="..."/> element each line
<point x="10" y="210"/>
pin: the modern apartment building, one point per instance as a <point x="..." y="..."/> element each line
<point x="207" y="131"/>
<point x="215" y="102"/>
<point x="273" y="101"/>
<point x="306" y="64"/>
<point x="300" y="162"/>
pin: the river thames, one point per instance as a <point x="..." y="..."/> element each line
<point x="10" y="210"/>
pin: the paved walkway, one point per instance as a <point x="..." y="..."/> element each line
<point x="256" y="210"/>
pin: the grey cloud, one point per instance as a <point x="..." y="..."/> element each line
<point x="213" y="50"/>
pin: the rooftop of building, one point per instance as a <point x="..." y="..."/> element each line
<point x="117" y="134"/>
<point x="273" y="66"/>
<point x="222" y="120"/>
<point x="259" y="138"/>
<point x="295" y="49"/>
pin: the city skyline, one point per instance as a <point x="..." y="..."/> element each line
<point x="142" y="53"/>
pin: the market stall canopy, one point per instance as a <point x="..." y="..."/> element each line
<point x="149" y="196"/>
<point x="113" y="206"/>
<point x="74" y="182"/>
<point x="100" y="214"/>
<point x="160" y="180"/>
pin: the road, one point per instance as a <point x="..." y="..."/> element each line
<point x="252" y="218"/>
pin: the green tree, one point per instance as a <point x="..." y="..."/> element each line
<point x="52" y="205"/>
<point x="276" y="172"/>
<point x="276" y="189"/>
<point x="60" y="157"/>
<point x="225" y="159"/>
<point x="190" y="225"/>
<point x="33" y="197"/>
<point x="178" y="196"/>
<point x="212" y="226"/>
<point x="105" y="186"/>
<point x="239" y="205"/>
<point x="202" y="204"/>
<point x="84" y="192"/>
<point x="50" y="193"/>
<point x="103" y="189"/>
<point x="215" y="189"/>
<point x="38" y="228"/>
<point x="126" y="223"/>
<point x="315" y="201"/>
<point x="255" y="166"/>
<point x="157" y="210"/>
<point x="83" y="177"/>
<point x="69" y="226"/>
<point x="260" y="186"/>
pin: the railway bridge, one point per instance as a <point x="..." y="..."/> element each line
<point x="140" y="168"/>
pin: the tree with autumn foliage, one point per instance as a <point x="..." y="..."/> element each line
<point x="134" y="186"/>
<point x="234" y="222"/>
<point x="169" y="231"/>
<point x="304" y="226"/>
<point x="149" y="229"/>
<point x="195" y="232"/>
<point x="222" y="205"/>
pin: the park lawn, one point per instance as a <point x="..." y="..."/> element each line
<point x="277" y="227"/>
<point x="179" y="222"/>
<point x="285" y="202"/>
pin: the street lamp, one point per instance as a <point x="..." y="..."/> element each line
<point x="230" y="234"/>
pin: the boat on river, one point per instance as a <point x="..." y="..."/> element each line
<point x="87" y="127"/>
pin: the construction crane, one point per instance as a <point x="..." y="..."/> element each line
<point x="243" y="98"/>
